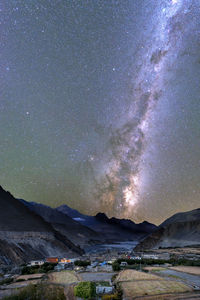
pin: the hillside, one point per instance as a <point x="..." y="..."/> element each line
<point x="180" y="230"/>
<point x="75" y="231"/>
<point x="25" y="235"/>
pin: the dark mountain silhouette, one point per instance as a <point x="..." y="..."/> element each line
<point x="73" y="230"/>
<point x="180" y="230"/>
<point x="25" y="235"/>
<point x="30" y="230"/>
<point x="111" y="228"/>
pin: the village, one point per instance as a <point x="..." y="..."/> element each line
<point x="103" y="261"/>
<point x="112" y="275"/>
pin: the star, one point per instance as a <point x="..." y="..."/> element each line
<point x="100" y="103"/>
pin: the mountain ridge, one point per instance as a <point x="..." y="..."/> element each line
<point x="75" y="213"/>
<point x="179" y="230"/>
<point x="24" y="235"/>
<point x="102" y="224"/>
<point x="75" y="231"/>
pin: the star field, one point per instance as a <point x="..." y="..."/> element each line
<point x="100" y="105"/>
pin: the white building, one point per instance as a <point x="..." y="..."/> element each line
<point x="123" y="264"/>
<point x="36" y="263"/>
<point x="150" y="256"/>
<point x="136" y="257"/>
<point x="104" y="289"/>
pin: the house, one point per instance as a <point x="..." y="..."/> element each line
<point x="52" y="260"/>
<point x="89" y="268"/>
<point x="65" y="261"/>
<point x="69" y="266"/>
<point x="94" y="264"/>
<point x="73" y="259"/>
<point x="36" y="263"/>
<point x="123" y="264"/>
<point x="150" y="256"/>
<point x="111" y="261"/>
<point x="104" y="289"/>
<point x="103" y="263"/>
<point x="59" y="267"/>
<point x="79" y="269"/>
<point x="166" y="256"/>
<point x="136" y="257"/>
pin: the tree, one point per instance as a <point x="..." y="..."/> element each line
<point x="85" y="290"/>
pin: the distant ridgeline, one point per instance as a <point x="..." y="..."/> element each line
<point x="30" y="230"/>
<point x="180" y="230"/>
<point x="24" y="235"/>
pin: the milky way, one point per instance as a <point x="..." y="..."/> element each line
<point x="100" y="105"/>
<point x="119" y="187"/>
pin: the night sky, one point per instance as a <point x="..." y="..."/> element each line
<point x="100" y="105"/>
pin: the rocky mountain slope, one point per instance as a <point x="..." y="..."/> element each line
<point x="25" y="235"/>
<point x="180" y="230"/>
<point x="33" y="231"/>
<point x="73" y="230"/>
<point x="113" y="228"/>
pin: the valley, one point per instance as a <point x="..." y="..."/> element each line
<point x="62" y="250"/>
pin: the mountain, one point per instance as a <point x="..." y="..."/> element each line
<point x="73" y="213"/>
<point x="180" y="230"/>
<point x="24" y="235"/>
<point x="31" y="230"/>
<point x="112" y="228"/>
<point x="73" y="230"/>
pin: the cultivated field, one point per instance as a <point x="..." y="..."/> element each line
<point x="184" y="296"/>
<point x="69" y="292"/>
<point x="132" y="275"/>
<point x="13" y="287"/>
<point x="21" y="284"/>
<point x="178" y="251"/>
<point x="28" y="277"/>
<point x="154" y="269"/>
<point x="141" y="288"/>
<point x="141" y="284"/>
<point x="96" y="276"/>
<point x="187" y="269"/>
<point x="64" y="277"/>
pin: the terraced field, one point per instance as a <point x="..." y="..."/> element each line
<point x="130" y="275"/>
<point x="152" y="287"/>
<point x="187" y="269"/>
<point x="63" y="278"/>
<point x="138" y="284"/>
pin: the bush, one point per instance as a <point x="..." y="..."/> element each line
<point x="82" y="263"/>
<point x="20" y="279"/>
<point x="29" y="270"/>
<point x="46" y="267"/>
<point x="114" y="277"/>
<point x="33" y="278"/>
<point x="150" y="261"/>
<point x="6" y="281"/>
<point x="85" y="290"/>
<point x="103" y="283"/>
<point x="115" y="266"/>
<point x="39" y="292"/>
<point x="133" y="267"/>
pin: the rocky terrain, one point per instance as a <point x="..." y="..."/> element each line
<point x="180" y="230"/>
<point x="73" y="230"/>
<point x="30" y="230"/>
<point x="89" y="230"/>
<point x="24" y="235"/>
